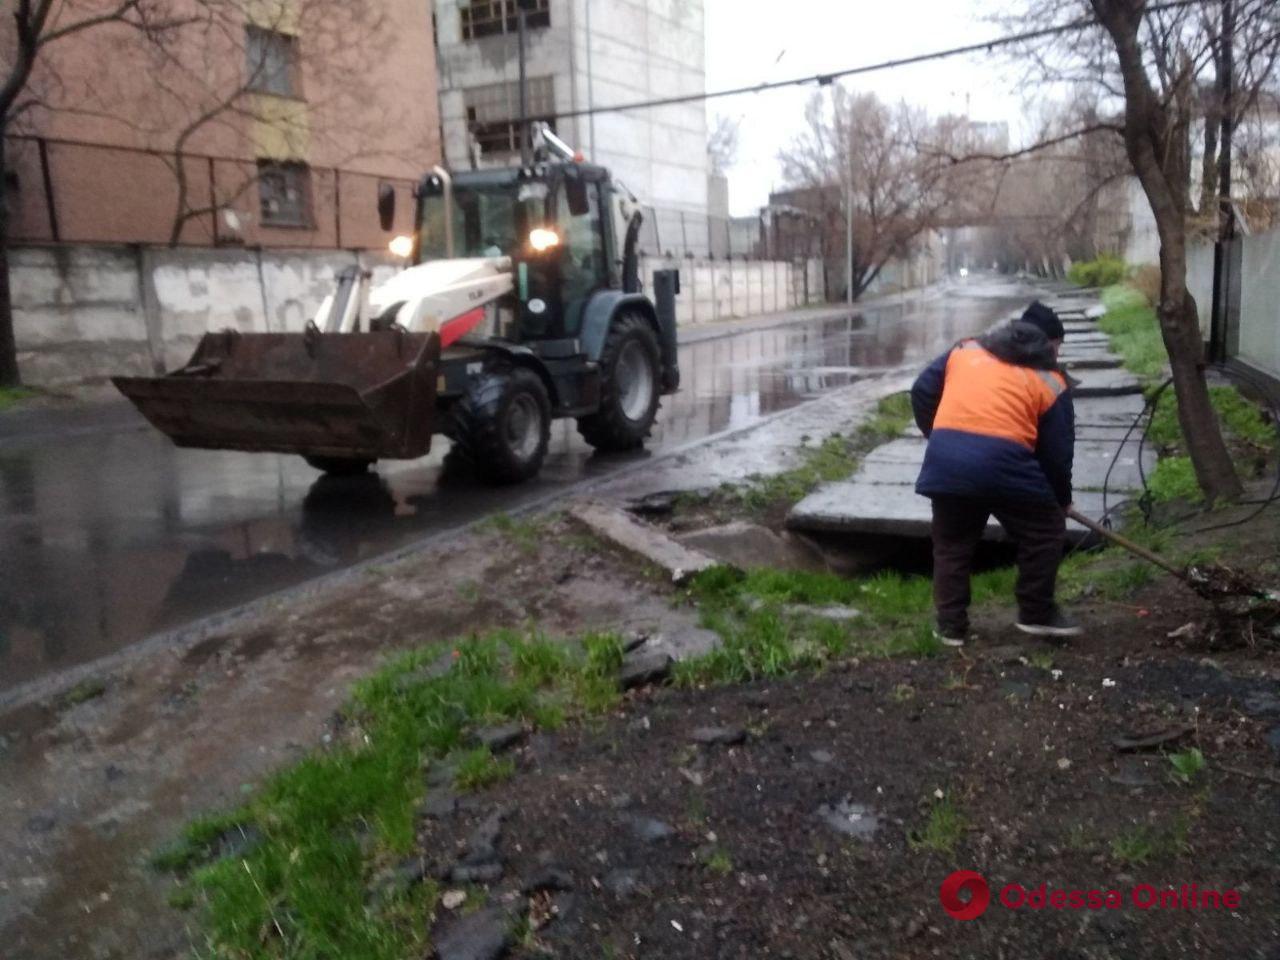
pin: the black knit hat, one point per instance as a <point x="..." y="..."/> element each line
<point x="1038" y="315"/>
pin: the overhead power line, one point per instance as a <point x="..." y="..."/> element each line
<point x="823" y="79"/>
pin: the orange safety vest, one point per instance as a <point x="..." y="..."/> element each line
<point x="984" y="395"/>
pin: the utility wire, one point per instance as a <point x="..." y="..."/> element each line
<point x="823" y="79"/>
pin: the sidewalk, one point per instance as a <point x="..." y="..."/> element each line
<point x="880" y="499"/>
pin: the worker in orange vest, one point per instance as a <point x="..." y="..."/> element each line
<point x="1001" y="426"/>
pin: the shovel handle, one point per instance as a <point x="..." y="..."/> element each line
<point x="1124" y="542"/>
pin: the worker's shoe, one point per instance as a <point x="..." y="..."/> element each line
<point x="951" y="635"/>
<point x="1056" y="624"/>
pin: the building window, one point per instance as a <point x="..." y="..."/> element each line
<point x="487" y="18"/>
<point x="272" y="60"/>
<point x="285" y="193"/>
<point x="493" y="113"/>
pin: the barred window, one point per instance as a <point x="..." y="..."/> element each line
<point x="284" y="189"/>
<point x="493" y="113"/>
<point x="487" y="18"/>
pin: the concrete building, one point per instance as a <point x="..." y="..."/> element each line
<point x="580" y="55"/>
<point x="261" y="122"/>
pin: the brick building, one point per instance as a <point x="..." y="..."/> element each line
<point x="269" y="122"/>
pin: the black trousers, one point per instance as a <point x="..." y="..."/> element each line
<point x="1039" y="530"/>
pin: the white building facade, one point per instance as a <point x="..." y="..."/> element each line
<point x="581" y="54"/>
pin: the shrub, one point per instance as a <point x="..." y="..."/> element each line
<point x="1102" y="272"/>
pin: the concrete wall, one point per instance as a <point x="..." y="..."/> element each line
<point x="714" y="290"/>
<point x="639" y="50"/>
<point x="83" y="313"/>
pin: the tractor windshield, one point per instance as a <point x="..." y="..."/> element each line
<point x="488" y="221"/>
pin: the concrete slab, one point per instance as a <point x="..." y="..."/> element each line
<point x="1095" y="312"/>
<point x="902" y="450"/>
<point x="1107" y="383"/>
<point x="854" y="507"/>
<point x="1079" y="328"/>
<point x="1103" y="361"/>
<point x="1094" y="455"/>
<point x="620" y="528"/>
<point x="1094" y="458"/>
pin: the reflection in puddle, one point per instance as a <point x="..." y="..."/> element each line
<point x="108" y="538"/>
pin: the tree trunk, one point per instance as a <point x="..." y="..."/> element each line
<point x="9" y="375"/>
<point x="1155" y="142"/>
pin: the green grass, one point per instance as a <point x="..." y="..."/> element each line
<point x="479" y="768"/>
<point x="1135" y="334"/>
<point x="525" y="533"/>
<point x="1143" y="844"/>
<point x="719" y="863"/>
<point x="1174" y="478"/>
<point x="12" y="396"/>
<point x="1131" y="324"/>
<point x="942" y="830"/>
<point x="1187" y="764"/>
<point x="762" y="637"/>
<point x="325" y="828"/>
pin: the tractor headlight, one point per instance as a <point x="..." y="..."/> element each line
<point x="542" y="240"/>
<point x="401" y="246"/>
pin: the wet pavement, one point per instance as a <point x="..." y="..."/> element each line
<point x="110" y="535"/>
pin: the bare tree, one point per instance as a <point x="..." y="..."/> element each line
<point x="862" y="157"/>
<point x="722" y="143"/>
<point x="1151" y="60"/>
<point x="36" y="27"/>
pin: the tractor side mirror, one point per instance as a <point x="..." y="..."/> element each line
<point x="575" y="192"/>
<point x="386" y="205"/>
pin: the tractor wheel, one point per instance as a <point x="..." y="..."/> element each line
<point x="339" y="466"/>
<point x="502" y="425"/>
<point x="630" y="386"/>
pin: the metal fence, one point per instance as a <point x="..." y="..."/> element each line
<point x="70" y="191"/>
<point x="679" y="233"/>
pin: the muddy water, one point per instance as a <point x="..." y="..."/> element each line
<point x="108" y="537"/>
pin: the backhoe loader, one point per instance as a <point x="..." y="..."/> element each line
<point x="521" y="303"/>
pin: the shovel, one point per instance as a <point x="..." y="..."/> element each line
<point x="1209" y="581"/>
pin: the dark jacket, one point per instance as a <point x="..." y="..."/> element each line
<point x="999" y="418"/>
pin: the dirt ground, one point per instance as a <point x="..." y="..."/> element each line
<point x="92" y="782"/>
<point x="672" y="848"/>
<point x="1016" y="737"/>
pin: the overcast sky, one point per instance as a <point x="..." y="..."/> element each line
<point x="816" y="36"/>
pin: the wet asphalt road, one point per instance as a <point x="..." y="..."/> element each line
<point x="111" y="534"/>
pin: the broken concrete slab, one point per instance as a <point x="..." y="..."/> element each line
<point x="1108" y="411"/>
<point x="856" y="507"/>
<point x="750" y="546"/>
<point x="620" y="528"/>
<point x="902" y="450"/>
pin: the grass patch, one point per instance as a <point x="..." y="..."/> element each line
<point x="836" y="458"/>
<point x="1131" y="324"/>
<point x="12" y="396"/>
<point x="526" y="532"/>
<point x="942" y="829"/>
<point x="763" y="635"/>
<point x="1174" y="479"/>
<point x="719" y="863"/>
<point x="1187" y="764"/>
<point x="1143" y="844"/>
<point x="479" y="768"/>
<point x="290" y="874"/>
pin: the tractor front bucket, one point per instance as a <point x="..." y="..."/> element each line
<point x="350" y="395"/>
